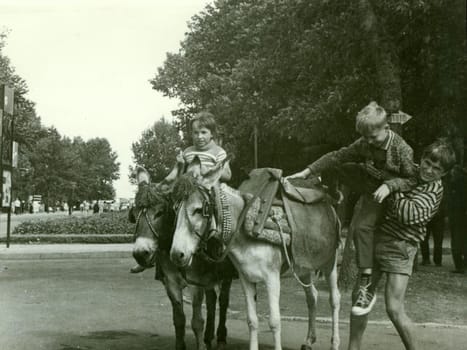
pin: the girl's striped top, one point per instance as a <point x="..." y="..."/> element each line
<point x="408" y="213"/>
<point x="208" y="158"/>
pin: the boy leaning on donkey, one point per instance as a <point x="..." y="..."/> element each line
<point x="380" y="165"/>
<point x="377" y="164"/>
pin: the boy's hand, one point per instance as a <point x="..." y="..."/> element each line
<point x="370" y="169"/>
<point x="381" y="193"/>
<point x="300" y="175"/>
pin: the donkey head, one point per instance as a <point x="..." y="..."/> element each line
<point x="195" y="212"/>
<point x="151" y="214"/>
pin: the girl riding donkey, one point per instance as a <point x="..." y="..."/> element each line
<point x="154" y="217"/>
<point x="210" y="155"/>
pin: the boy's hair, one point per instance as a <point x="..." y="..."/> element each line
<point x="440" y="151"/>
<point x="205" y="119"/>
<point x="370" y="118"/>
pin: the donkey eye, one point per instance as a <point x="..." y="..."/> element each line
<point x="158" y="214"/>
<point x="198" y="211"/>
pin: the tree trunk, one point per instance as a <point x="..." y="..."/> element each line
<point x="385" y="58"/>
<point x="386" y="64"/>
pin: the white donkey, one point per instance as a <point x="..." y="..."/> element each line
<point x="255" y="261"/>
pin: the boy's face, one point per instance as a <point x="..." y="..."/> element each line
<point x="376" y="137"/>
<point x="202" y="136"/>
<point x="430" y="170"/>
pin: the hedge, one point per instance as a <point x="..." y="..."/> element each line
<point x="114" y="223"/>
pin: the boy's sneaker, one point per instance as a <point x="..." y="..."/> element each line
<point x="137" y="269"/>
<point x="365" y="301"/>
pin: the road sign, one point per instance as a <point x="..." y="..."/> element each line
<point x="399" y="118"/>
<point x="6" y="196"/>
<point x="14" y="157"/>
<point x="6" y="99"/>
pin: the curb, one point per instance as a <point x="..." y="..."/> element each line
<point x="376" y="323"/>
<point x="236" y="315"/>
<point x="65" y="251"/>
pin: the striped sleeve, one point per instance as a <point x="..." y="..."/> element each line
<point x="420" y="207"/>
<point x="221" y="156"/>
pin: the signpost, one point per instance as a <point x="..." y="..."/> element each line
<point x="6" y="108"/>
<point x="397" y="120"/>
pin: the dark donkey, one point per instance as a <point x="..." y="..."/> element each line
<point x="155" y="219"/>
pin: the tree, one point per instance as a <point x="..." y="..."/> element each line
<point x="301" y="70"/>
<point x="156" y="149"/>
<point x="99" y="169"/>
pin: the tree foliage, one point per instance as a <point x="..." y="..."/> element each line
<point x="300" y="70"/>
<point x="155" y="150"/>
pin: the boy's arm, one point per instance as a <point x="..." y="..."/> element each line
<point x="418" y="209"/>
<point x="351" y="153"/>
<point x="408" y="171"/>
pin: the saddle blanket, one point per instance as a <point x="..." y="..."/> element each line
<point x="309" y="224"/>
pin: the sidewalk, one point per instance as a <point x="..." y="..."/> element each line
<point x="65" y="251"/>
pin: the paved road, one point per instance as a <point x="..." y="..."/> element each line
<point x="95" y="304"/>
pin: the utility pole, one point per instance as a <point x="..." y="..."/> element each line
<point x="255" y="145"/>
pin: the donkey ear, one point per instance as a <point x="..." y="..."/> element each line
<point x="142" y="175"/>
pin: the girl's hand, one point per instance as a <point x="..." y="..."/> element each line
<point x="300" y="175"/>
<point x="180" y="159"/>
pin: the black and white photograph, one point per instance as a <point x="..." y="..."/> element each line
<point x="231" y="174"/>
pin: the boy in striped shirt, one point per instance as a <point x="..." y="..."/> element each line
<point x="396" y="240"/>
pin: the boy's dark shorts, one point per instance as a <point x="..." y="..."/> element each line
<point x="393" y="255"/>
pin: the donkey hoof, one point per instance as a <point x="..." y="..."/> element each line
<point x="221" y="345"/>
<point x="305" y="347"/>
<point x="180" y="346"/>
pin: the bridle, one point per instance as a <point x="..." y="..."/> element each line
<point x="208" y="213"/>
<point x="144" y="212"/>
<point x="223" y="229"/>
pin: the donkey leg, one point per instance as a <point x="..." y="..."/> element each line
<point x="249" y="289"/>
<point x="211" y="301"/>
<point x="273" y="285"/>
<point x="174" y="292"/>
<point x="197" y="321"/>
<point x="311" y="295"/>
<point x="334" y="301"/>
<point x="224" y="298"/>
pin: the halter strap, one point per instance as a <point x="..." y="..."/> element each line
<point x="144" y="212"/>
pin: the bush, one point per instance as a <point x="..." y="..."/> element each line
<point x="97" y="224"/>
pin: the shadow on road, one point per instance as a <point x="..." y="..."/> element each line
<point x="131" y="340"/>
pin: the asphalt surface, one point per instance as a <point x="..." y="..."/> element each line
<point x="95" y="304"/>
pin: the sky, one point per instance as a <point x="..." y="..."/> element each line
<point x="88" y="63"/>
